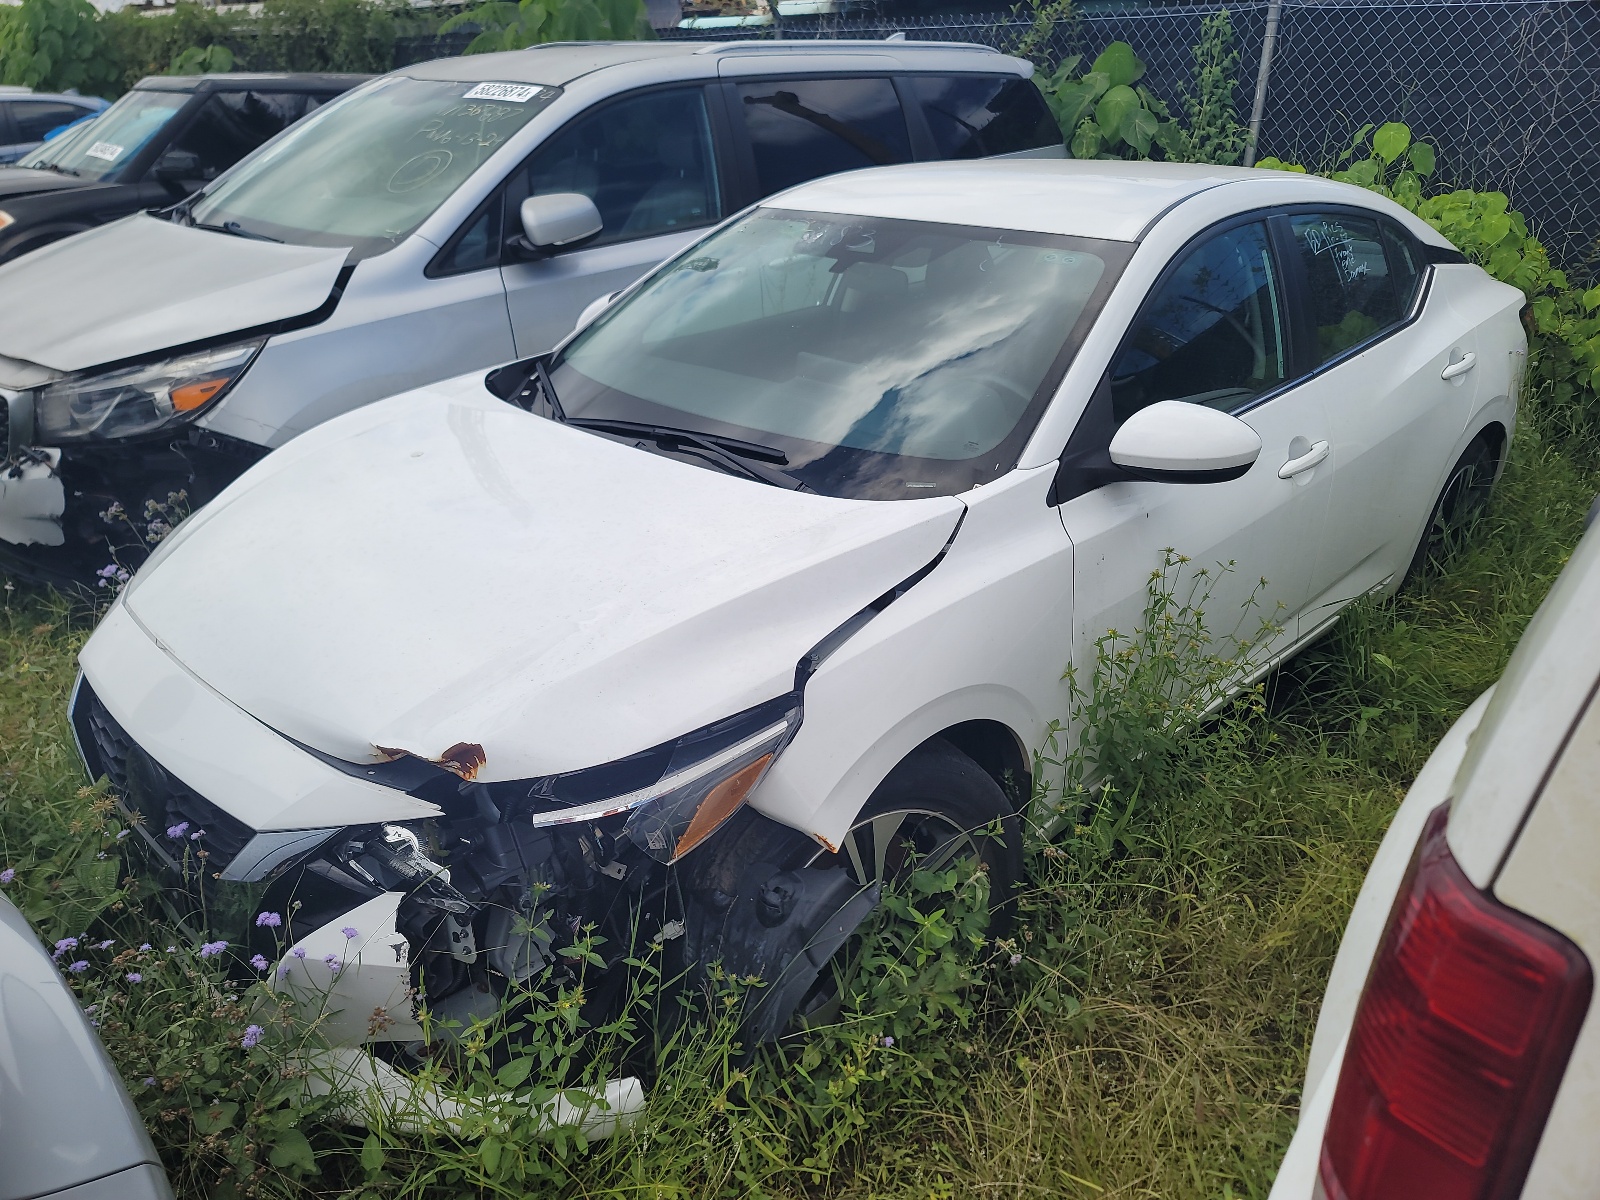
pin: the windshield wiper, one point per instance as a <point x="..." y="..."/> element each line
<point x="237" y="230"/>
<point x="750" y="459"/>
<point x="56" y="167"/>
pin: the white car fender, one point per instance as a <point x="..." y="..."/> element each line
<point x="999" y="609"/>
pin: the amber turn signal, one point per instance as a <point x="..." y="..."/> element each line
<point x="721" y="802"/>
<point x="192" y="395"/>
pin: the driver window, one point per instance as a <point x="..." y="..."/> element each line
<point x="646" y="162"/>
<point x="1213" y="334"/>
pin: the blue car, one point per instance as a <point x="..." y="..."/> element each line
<point x="29" y="118"/>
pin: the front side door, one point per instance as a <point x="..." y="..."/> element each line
<point x="649" y="163"/>
<point x="1393" y="418"/>
<point x="1216" y="331"/>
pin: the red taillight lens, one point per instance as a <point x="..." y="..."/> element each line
<point x="1458" y="1045"/>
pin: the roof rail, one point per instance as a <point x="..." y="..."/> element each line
<point x="826" y="45"/>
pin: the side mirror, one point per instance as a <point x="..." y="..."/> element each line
<point x="179" y="169"/>
<point x="1174" y="442"/>
<point x="596" y="307"/>
<point x="559" y="219"/>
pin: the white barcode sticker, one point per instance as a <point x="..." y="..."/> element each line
<point x="516" y="93"/>
<point x="109" y="151"/>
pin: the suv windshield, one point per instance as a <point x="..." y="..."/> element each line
<point x="367" y="170"/>
<point x="99" y="148"/>
<point x="885" y="359"/>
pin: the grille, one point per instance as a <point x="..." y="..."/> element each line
<point x="186" y="869"/>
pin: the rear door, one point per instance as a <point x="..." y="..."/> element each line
<point x="1379" y="349"/>
<point x="649" y="160"/>
<point x="1217" y="331"/>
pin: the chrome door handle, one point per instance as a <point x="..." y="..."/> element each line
<point x="1461" y="367"/>
<point x="1305" y="462"/>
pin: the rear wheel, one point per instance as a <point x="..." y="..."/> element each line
<point x="1461" y="503"/>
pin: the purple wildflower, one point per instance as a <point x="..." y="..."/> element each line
<point x="350" y="932"/>
<point x="298" y="952"/>
<point x="252" y="1036"/>
<point x="270" y="920"/>
<point x="888" y="1043"/>
<point x="8" y="875"/>
<point x="107" y="944"/>
<point x="283" y="968"/>
<point x="259" y="963"/>
<point x="146" y="946"/>
<point x="78" y="967"/>
<point x="1015" y="959"/>
<point x="332" y="960"/>
<point x="177" y="831"/>
<point x="212" y="949"/>
<point x="172" y="949"/>
<point x="135" y="977"/>
<point x="65" y="944"/>
<point x="149" y="1081"/>
<point x="122" y="833"/>
<point x="197" y="835"/>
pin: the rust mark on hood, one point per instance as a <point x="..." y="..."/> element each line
<point x="825" y="843"/>
<point x="464" y="759"/>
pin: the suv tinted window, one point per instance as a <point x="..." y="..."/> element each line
<point x="36" y="118"/>
<point x="801" y="129"/>
<point x="1212" y="334"/>
<point x="974" y="116"/>
<point x="1348" y="279"/>
<point x="231" y="124"/>
<point x="646" y="162"/>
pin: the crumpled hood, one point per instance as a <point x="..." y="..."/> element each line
<point x="443" y="568"/>
<point x="140" y="285"/>
<point x="27" y="181"/>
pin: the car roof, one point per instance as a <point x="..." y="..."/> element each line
<point x="1079" y="197"/>
<point x="22" y="93"/>
<point x="557" y="64"/>
<point x="241" y="81"/>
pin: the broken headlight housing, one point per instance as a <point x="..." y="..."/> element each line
<point x="128" y="401"/>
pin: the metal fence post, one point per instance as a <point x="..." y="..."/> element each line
<point x="1269" y="43"/>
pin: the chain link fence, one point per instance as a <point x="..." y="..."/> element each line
<point x="1507" y="91"/>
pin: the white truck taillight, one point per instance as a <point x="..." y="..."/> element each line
<point x="1458" y="1045"/>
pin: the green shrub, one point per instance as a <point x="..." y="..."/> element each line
<point x="1103" y="114"/>
<point x="55" y="45"/>
<point x="511" y="26"/>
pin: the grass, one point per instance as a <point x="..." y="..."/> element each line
<point x="1150" y="1039"/>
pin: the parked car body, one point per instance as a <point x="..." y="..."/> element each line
<point x="1456" y="1053"/>
<point x="692" y="627"/>
<point x="28" y="118"/>
<point x="67" y="1126"/>
<point x="404" y="258"/>
<point x="167" y="137"/>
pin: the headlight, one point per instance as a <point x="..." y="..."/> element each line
<point x="134" y="400"/>
<point x="6" y="218"/>
<point x="689" y="803"/>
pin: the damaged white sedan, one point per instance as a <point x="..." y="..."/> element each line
<point x="702" y="627"/>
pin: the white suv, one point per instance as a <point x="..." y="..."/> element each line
<point x="1456" y="1054"/>
<point x="403" y="235"/>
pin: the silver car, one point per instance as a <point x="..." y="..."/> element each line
<point x="67" y="1126"/>
<point x="442" y="218"/>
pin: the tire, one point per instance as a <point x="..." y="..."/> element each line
<point x="935" y="808"/>
<point x="1461" y="503"/>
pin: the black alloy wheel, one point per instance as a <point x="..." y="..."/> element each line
<point x="1460" y="505"/>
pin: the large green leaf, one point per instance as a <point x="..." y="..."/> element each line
<point x="1072" y="104"/>
<point x="290" y="1149"/>
<point x="1086" y="140"/>
<point x="1391" y="140"/>
<point x="1138" y="127"/>
<point x="1422" y="158"/>
<point x="1120" y="63"/>
<point x="1114" y="108"/>
<point x="1098" y="81"/>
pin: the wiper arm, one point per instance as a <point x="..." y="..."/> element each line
<point x="237" y="230"/>
<point x="557" y="413"/>
<point x="57" y="168"/>
<point x="750" y="459"/>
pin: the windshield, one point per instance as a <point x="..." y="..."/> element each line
<point x="99" y="148"/>
<point x="367" y="170"/>
<point x="885" y="359"/>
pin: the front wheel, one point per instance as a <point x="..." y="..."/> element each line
<point x="1461" y="503"/>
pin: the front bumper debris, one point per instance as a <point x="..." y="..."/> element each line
<point x="32" y="498"/>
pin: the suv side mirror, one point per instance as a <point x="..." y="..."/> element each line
<point x="1175" y="442"/>
<point x="559" y="219"/>
<point x="179" y="169"/>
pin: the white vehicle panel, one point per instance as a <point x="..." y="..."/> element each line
<point x="674" y="595"/>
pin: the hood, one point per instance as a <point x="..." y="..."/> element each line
<point x="443" y="569"/>
<point x="140" y="285"/>
<point x="25" y="181"/>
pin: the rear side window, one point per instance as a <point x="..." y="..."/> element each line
<point x="1353" y="292"/>
<point x="1212" y="334"/>
<point x="231" y="124"/>
<point x="646" y="162"/>
<point x="35" y="119"/>
<point x="975" y="116"/>
<point x="802" y="129"/>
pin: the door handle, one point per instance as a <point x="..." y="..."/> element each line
<point x="1460" y="367"/>
<point x="1305" y="462"/>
